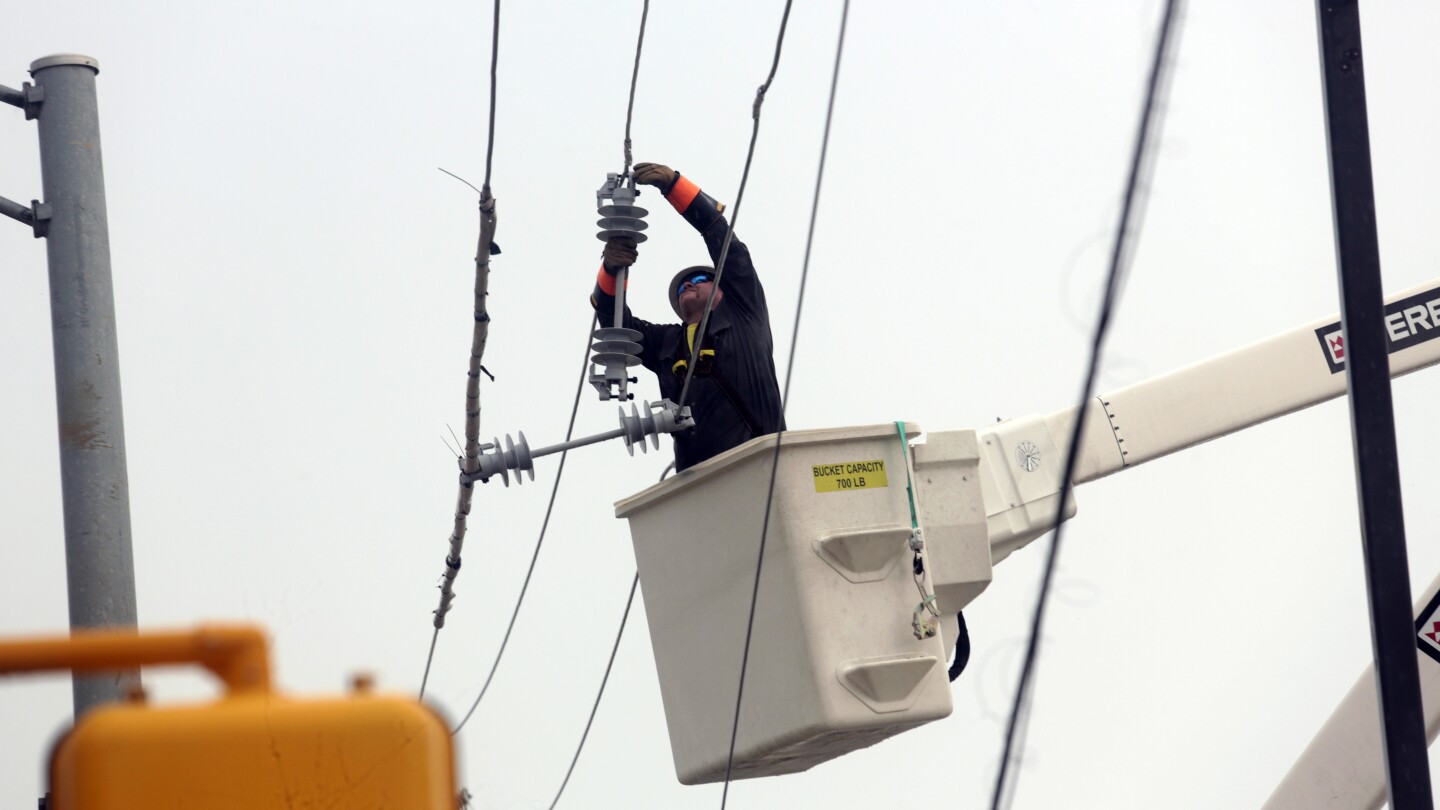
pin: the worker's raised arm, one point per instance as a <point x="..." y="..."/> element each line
<point x="739" y="282"/>
<point x="620" y="253"/>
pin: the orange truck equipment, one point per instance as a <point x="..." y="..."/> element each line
<point x="251" y="748"/>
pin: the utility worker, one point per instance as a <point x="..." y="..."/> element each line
<point x="734" y="396"/>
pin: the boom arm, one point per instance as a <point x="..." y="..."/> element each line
<point x="1181" y="409"/>
<point x="1344" y="766"/>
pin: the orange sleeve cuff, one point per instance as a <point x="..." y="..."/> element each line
<point x="606" y="282"/>
<point x="682" y="194"/>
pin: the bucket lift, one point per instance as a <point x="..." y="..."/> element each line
<point x="833" y="665"/>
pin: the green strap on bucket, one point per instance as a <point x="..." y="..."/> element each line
<point x="927" y="612"/>
<point x="909" y="488"/>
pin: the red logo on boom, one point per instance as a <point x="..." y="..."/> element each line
<point x="1337" y="347"/>
<point x="1434" y="632"/>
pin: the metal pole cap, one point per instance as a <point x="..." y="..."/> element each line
<point x="58" y="59"/>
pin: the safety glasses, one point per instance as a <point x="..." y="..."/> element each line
<point x="697" y="279"/>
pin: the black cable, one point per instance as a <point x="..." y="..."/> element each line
<point x="735" y="215"/>
<point x="494" y="58"/>
<point x="596" y="707"/>
<point x="634" y="78"/>
<point x="424" y="679"/>
<point x="559" y="472"/>
<point x="962" y="648"/>
<point x="615" y="648"/>
<point x="574" y="409"/>
<point x="435" y="636"/>
<point x="1139" y="163"/>
<point x="785" y="395"/>
<point x="485" y="199"/>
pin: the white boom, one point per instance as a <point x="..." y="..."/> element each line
<point x="1157" y="417"/>
<point x="1343" y="768"/>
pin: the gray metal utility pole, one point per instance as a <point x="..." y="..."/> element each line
<point x="100" y="567"/>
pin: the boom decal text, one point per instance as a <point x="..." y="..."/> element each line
<point x="1408" y="322"/>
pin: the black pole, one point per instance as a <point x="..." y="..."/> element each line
<point x="1372" y="418"/>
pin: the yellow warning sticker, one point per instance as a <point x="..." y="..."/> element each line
<point x="850" y="475"/>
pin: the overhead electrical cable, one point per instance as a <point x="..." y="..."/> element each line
<point x="569" y="432"/>
<point x="1141" y="163"/>
<point x="789" y="377"/>
<point x="734" y="215"/>
<point x="494" y="60"/>
<point x="479" y="335"/>
<point x="429" y="658"/>
<point x="634" y="79"/>
<point x="614" y="648"/>
<point x="635" y="581"/>
<point x="544" y="525"/>
<point x="603" y="680"/>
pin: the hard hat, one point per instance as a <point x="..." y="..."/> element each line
<point x="680" y="276"/>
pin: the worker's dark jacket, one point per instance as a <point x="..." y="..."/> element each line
<point x="739" y="332"/>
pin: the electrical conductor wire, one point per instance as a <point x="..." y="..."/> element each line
<point x="1120" y="255"/>
<point x="613" y="649"/>
<point x="569" y="431"/>
<point x="634" y="79"/>
<point x="604" y="680"/>
<point x="424" y="679"/>
<point x="477" y="347"/>
<point x="494" y="60"/>
<point x="789" y="377"/>
<point x="545" y="524"/>
<point x="735" y="215"/>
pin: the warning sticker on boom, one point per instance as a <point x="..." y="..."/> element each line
<point x="850" y="475"/>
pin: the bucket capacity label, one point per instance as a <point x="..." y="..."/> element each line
<point x="850" y="475"/>
<point x="1407" y="322"/>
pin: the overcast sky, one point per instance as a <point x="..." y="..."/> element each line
<point x="292" y="277"/>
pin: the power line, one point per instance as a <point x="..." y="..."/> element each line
<point x="709" y="304"/>
<point x="735" y="216"/>
<point x="479" y="335"/>
<point x="625" y="617"/>
<point x="604" y="680"/>
<point x="559" y="471"/>
<point x="494" y="60"/>
<point x="785" y="396"/>
<point x="425" y="679"/>
<point x="1140" y="164"/>
<point x="569" y="431"/>
<point x="634" y="79"/>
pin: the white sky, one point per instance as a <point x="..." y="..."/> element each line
<point x="293" y="280"/>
